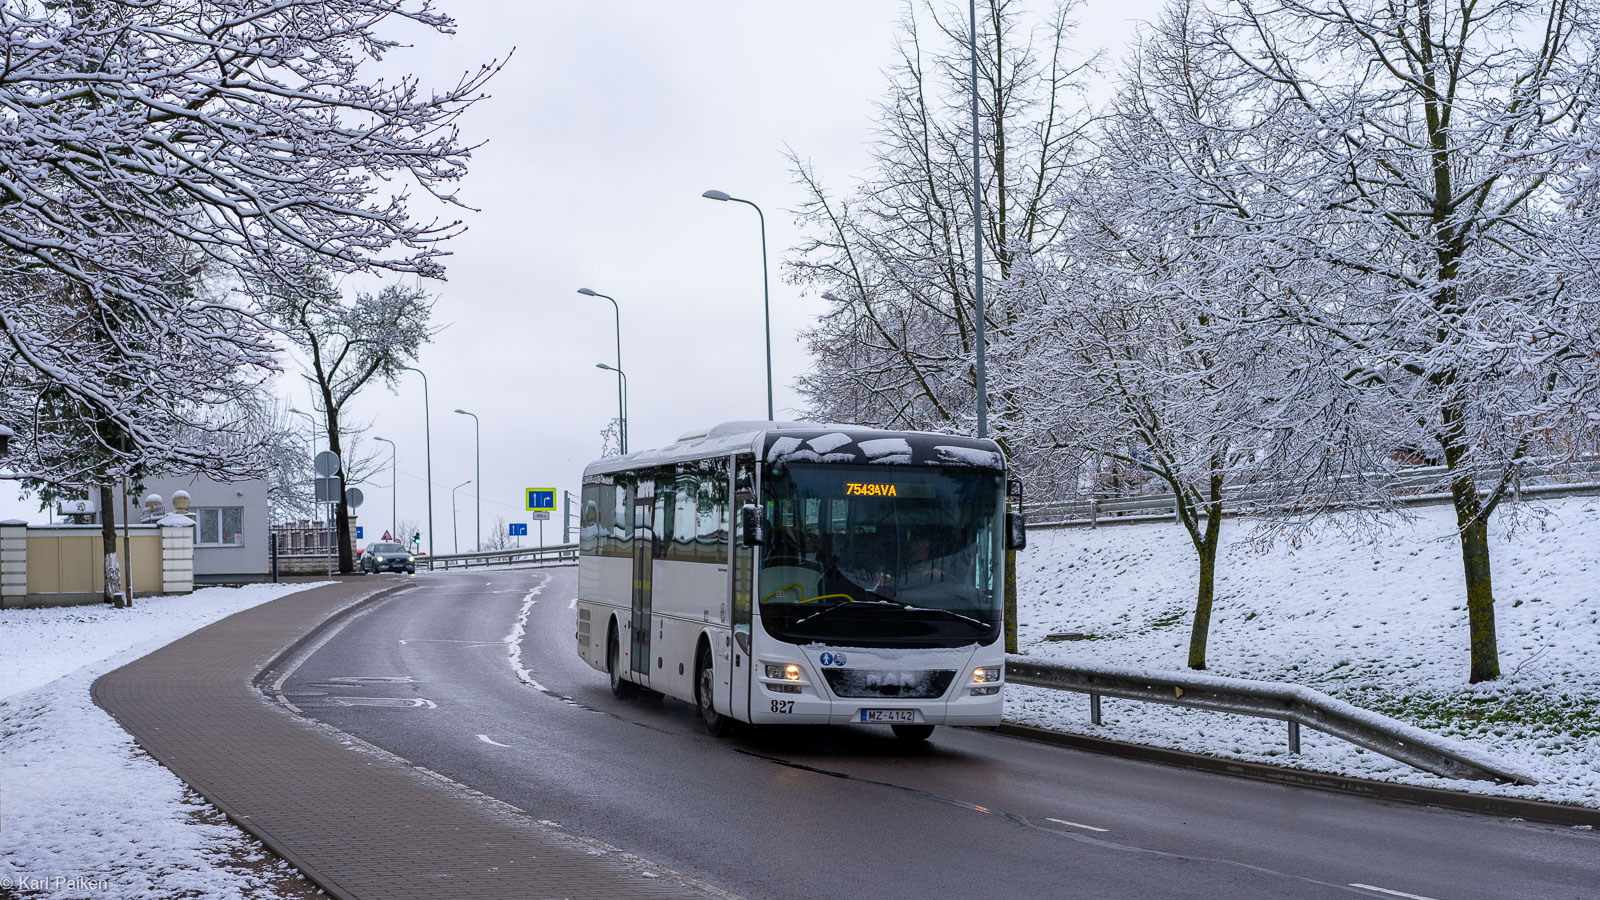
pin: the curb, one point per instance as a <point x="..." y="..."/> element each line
<point x="312" y="874"/>
<point x="337" y="617"/>
<point x="242" y="821"/>
<point x="1485" y="804"/>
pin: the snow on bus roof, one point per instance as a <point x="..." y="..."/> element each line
<point x="816" y="442"/>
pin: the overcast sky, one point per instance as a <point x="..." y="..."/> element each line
<point x="607" y="124"/>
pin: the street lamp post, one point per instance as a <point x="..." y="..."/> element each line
<point x="622" y="379"/>
<point x="477" y="472"/>
<point x="622" y="416"/>
<point x="394" y="484"/>
<point x="455" y="535"/>
<point x="981" y="388"/>
<point x="766" y="299"/>
<point x="427" y="431"/>
<point x="328" y="531"/>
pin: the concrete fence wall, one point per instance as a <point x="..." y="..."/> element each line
<point x="62" y="565"/>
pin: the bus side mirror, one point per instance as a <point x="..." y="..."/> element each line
<point x="752" y="531"/>
<point x="1016" y="531"/>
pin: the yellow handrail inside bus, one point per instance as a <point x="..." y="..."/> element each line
<point x="785" y="588"/>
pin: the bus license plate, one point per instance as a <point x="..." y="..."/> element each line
<point x="880" y="716"/>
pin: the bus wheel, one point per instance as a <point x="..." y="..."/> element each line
<point x="621" y="688"/>
<point x="910" y="733"/>
<point x="706" y="682"/>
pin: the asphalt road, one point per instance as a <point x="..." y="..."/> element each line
<point x="845" y="813"/>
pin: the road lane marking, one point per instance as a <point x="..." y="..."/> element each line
<point x="1076" y="825"/>
<point x="488" y="740"/>
<point x="449" y="641"/>
<point x="1368" y="887"/>
<point x="386" y="702"/>
<point x="573" y="604"/>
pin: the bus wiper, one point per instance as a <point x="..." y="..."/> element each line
<point x="949" y="612"/>
<point x="884" y="601"/>
<point x="841" y="605"/>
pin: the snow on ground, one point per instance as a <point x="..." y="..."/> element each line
<point x="1376" y="620"/>
<point x="80" y="800"/>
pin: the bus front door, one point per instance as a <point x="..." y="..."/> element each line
<point x="741" y="584"/>
<point x="643" y="561"/>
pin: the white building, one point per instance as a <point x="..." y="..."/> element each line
<point x="231" y="536"/>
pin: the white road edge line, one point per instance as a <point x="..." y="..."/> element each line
<point x="1078" y="825"/>
<point x="1369" y="887"/>
<point x="573" y="604"/>
<point x="488" y="740"/>
<point x="513" y="641"/>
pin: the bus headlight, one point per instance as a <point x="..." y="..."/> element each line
<point x="786" y="672"/>
<point x="986" y="675"/>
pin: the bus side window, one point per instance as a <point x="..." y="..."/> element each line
<point x="666" y="495"/>
<point x="621" y="541"/>
<point x="711" y="511"/>
<point x="685" y="515"/>
<point x="605" y="510"/>
<point x="589" y="524"/>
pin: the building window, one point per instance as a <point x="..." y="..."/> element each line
<point x="218" y="526"/>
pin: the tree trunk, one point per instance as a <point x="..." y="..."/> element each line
<point x="1472" y="526"/>
<point x="347" y="557"/>
<point x="1011" y="601"/>
<point x="108" y="546"/>
<point x="1207" y="549"/>
<point x="1473" y="529"/>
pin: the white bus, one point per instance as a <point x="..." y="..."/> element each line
<point x="796" y="573"/>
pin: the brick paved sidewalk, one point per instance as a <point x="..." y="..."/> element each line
<point x="359" y="824"/>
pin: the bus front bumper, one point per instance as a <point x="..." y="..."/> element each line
<point x="959" y="707"/>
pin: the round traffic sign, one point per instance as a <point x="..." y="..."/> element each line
<point x="353" y="497"/>
<point x="327" y="463"/>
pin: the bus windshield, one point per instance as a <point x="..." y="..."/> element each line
<point x="878" y="555"/>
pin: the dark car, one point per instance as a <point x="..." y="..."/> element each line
<point x="387" y="557"/>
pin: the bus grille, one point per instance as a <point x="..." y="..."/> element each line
<point x="923" y="684"/>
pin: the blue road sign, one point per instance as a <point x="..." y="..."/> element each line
<point x="359" y="529"/>
<point x="540" y="499"/>
<point x="519" y="529"/>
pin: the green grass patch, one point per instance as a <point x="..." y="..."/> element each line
<point x="1168" y="620"/>
<point x="1574" y="715"/>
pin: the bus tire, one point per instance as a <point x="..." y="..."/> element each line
<point x="912" y="733"/>
<point x="621" y="688"/>
<point x="705" y="683"/>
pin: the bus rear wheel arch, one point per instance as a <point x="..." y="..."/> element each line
<point x="621" y="688"/>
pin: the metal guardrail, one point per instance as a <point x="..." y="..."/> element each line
<point x="565" y="554"/>
<point x="1234" y="500"/>
<point x="1272" y="700"/>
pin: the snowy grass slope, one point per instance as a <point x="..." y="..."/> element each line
<point x="81" y="800"/>
<point x="1378" y="621"/>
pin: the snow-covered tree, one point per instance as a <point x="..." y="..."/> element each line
<point x="348" y="345"/>
<point x="1423" y="214"/>
<point x="894" y="255"/>
<point x="1149" y="351"/>
<point x="147" y="141"/>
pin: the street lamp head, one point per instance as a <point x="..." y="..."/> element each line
<point x="604" y="366"/>
<point x="830" y="295"/>
<point x="588" y="293"/>
<point x="463" y="412"/>
<point x="716" y="195"/>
